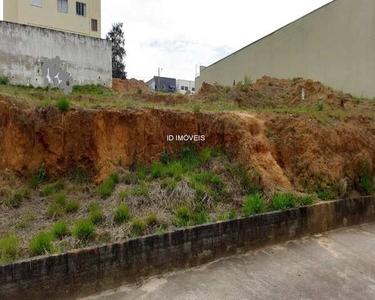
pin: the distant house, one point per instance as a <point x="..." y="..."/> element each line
<point x="185" y="86"/>
<point x="162" y="84"/>
<point x="80" y="17"/>
<point x="171" y="85"/>
<point x="334" y="44"/>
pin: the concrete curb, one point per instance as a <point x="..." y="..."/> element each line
<point x="91" y="270"/>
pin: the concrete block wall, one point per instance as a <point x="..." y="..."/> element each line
<point x="24" y="48"/>
<point x="88" y="271"/>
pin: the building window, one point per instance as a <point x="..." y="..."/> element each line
<point x="36" y="3"/>
<point x="94" y="25"/>
<point x="81" y="9"/>
<point x="62" y="6"/>
<point x="182" y="87"/>
<point x="193" y="89"/>
<point x="186" y="88"/>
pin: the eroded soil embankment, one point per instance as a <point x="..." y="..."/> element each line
<point x="287" y="150"/>
<point x="100" y="139"/>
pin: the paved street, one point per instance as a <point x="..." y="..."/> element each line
<point x="335" y="265"/>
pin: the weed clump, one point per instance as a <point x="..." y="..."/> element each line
<point x="41" y="243"/>
<point x="121" y="214"/>
<point x="366" y="182"/>
<point x="60" y="229"/>
<point x="138" y="226"/>
<point x="183" y="216"/>
<point x="9" y="248"/>
<point x="63" y="104"/>
<point x="84" y="229"/>
<point x="283" y="201"/>
<point x="4" y="80"/>
<point x="72" y="206"/>
<point x="96" y="215"/>
<point x="108" y="186"/>
<point x="254" y="204"/>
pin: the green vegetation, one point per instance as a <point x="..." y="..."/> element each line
<point x="138" y="226"/>
<point x="63" y="104"/>
<point x="142" y="190"/>
<point x="108" y="186"/>
<point x="4" y="80"/>
<point x="366" y="180"/>
<point x="121" y="213"/>
<point x="9" y="248"/>
<point x="50" y="189"/>
<point x="306" y="200"/>
<point x="245" y="83"/>
<point x="72" y="206"/>
<point x="58" y="208"/>
<point x="183" y="216"/>
<point x="283" y="201"/>
<point x="17" y="198"/>
<point x="84" y="229"/>
<point x="41" y="243"/>
<point x="25" y="220"/>
<point x="123" y="195"/>
<point x="38" y="178"/>
<point x="96" y="215"/>
<point x="60" y="229"/>
<point x="60" y="199"/>
<point x="254" y="204"/>
<point x="152" y="219"/>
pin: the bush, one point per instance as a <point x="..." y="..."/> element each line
<point x="283" y="201"/>
<point x="326" y="194"/>
<point x="60" y="229"/>
<point x="46" y="191"/>
<point x="4" y="80"/>
<point x="138" y="226"/>
<point x="121" y="214"/>
<point x="84" y="229"/>
<point x="254" y="204"/>
<point x="72" y="206"/>
<point x="174" y="170"/>
<point x="63" y="104"/>
<point x="9" y="248"/>
<point x="196" y="108"/>
<point x="41" y="243"/>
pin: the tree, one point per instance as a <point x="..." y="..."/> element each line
<point x="116" y="37"/>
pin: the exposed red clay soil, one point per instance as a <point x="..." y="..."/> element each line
<point x="128" y="85"/>
<point x="289" y="151"/>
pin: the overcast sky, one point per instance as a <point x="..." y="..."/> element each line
<point x="179" y="35"/>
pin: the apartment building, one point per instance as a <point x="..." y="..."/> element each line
<point x="80" y="17"/>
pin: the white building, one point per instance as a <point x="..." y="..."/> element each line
<point x="185" y="86"/>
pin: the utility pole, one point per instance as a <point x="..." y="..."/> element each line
<point x="159" y="71"/>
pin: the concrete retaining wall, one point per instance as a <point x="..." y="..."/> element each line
<point x="84" y="272"/>
<point x="24" y="48"/>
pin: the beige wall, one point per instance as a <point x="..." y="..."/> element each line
<point x="20" y="11"/>
<point x="335" y="45"/>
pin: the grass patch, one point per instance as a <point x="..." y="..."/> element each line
<point x="17" y="198"/>
<point x="84" y="229"/>
<point x="121" y="214"/>
<point x="4" y="80"/>
<point x="41" y="243"/>
<point x="142" y="190"/>
<point x="60" y="229"/>
<point x="254" y="204"/>
<point x="9" y="248"/>
<point x="38" y="178"/>
<point x="72" y="206"/>
<point x="108" y="186"/>
<point x="96" y="215"/>
<point x="63" y="104"/>
<point x="26" y="218"/>
<point x="366" y="181"/>
<point x="183" y="216"/>
<point x="283" y="201"/>
<point x="306" y="200"/>
<point x="138" y="227"/>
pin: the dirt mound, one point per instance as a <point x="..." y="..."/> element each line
<point x="131" y="85"/>
<point x="274" y="92"/>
